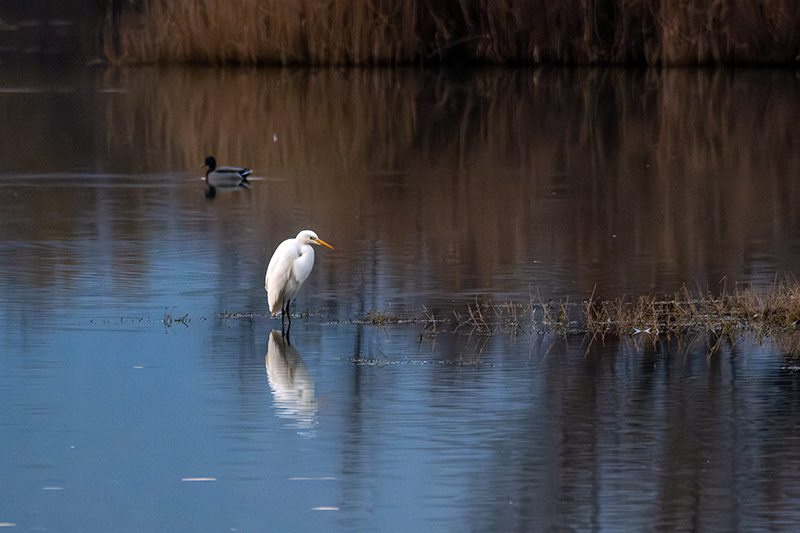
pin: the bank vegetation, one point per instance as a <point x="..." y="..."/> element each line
<point x="387" y="32"/>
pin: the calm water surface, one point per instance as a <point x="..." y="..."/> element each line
<point x="130" y="400"/>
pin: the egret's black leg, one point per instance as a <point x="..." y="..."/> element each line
<point x="289" y="318"/>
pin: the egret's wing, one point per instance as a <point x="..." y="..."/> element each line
<point x="279" y="272"/>
<point x="280" y="258"/>
<point x="303" y="265"/>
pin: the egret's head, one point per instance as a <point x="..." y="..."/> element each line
<point x="309" y="237"/>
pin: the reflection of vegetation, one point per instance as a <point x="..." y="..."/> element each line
<point x="351" y="32"/>
<point x="681" y="167"/>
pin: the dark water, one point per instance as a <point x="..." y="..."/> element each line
<point x="122" y="379"/>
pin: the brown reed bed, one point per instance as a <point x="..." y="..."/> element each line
<point x="351" y="32"/>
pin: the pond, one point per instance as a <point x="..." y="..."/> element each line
<point x="143" y="385"/>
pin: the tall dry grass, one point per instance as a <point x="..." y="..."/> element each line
<point x="312" y="32"/>
<point x="354" y="32"/>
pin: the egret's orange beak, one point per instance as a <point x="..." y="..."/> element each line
<point x="323" y="243"/>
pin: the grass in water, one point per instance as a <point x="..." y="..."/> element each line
<point x="771" y="314"/>
<point x="380" y="318"/>
<point x="761" y="315"/>
<point x="763" y="311"/>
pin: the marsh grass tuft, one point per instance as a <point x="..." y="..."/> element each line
<point x="766" y="311"/>
<point x="239" y="316"/>
<point x="474" y="319"/>
<point x="771" y="314"/>
<point x="168" y="320"/>
<point x="380" y="318"/>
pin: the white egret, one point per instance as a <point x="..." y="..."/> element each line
<point x="288" y="269"/>
<point x="225" y="178"/>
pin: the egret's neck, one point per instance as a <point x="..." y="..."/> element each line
<point x="307" y="251"/>
<point x="302" y="265"/>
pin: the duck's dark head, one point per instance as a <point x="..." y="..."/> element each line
<point x="211" y="163"/>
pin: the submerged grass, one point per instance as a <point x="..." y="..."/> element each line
<point x="353" y="32"/>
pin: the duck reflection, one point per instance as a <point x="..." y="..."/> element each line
<point x="211" y="190"/>
<point x="291" y="384"/>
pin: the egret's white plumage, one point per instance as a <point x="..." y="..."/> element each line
<point x="289" y="267"/>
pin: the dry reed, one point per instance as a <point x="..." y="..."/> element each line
<point x="352" y="32"/>
<point x="765" y="311"/>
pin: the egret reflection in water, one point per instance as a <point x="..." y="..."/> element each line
<point x="292" y="386"/>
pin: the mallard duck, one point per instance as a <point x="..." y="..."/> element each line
<point x="225" y="178"/>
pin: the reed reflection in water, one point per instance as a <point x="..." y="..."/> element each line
<point x="494" y="182"/>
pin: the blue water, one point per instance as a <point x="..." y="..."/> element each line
<point x="139" y="390"/>
<point x="99" y="432"/>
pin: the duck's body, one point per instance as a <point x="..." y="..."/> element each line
<point x="288" y="268"/>
<point x="225" y="178"/>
